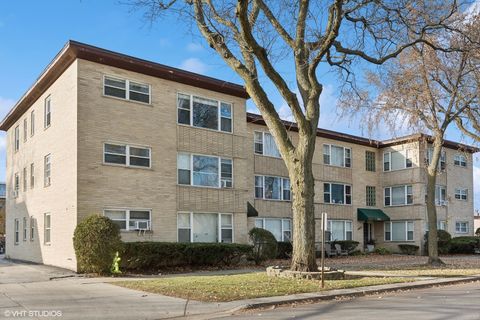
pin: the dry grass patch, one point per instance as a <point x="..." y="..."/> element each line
<point x="244" y="286"/>
<point x="429" y="272"/>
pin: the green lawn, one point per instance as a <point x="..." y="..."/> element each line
<point x="243" y="286"/>
<point x="429" y="272"/>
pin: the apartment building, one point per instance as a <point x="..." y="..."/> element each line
<point x="171" y="155"/>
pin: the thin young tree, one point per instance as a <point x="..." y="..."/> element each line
<point x="429" y="91"/>
<point x="255" y="37"/>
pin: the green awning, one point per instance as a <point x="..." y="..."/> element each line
<point x="372" y="215"/>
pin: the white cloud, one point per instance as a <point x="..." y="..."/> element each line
<point x="194" y="47"/>
<point x="194" y="65"/>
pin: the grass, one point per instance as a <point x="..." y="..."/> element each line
<point x="429" y="272"/>
<point x="244" y="286"/>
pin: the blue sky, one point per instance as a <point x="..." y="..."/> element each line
<point x="32" y="32"/>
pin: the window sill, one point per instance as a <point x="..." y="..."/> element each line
<point x="399" y="241"/>
<point x="264" y="155"/>
<point x="136" y="231"/>
<point x="127" y="167"/>
<point x="338" y="204"/>
<point x="397" y="170"/>
<point x="274" y="200"/>
<point x="334" y="166"/>
<point x="128" y="100"/>
<point x="203" y="187"/>
<point x="206" y="129"/>
<point x="399" y="205"/>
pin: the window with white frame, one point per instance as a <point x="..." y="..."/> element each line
<point x="397" y="160"/>
<point x="127" y="155"/>
<point x="398" y="195"/>
<point x="440" y="195"/>
<point x="16" y="225"/>
<point x="25" y="229"/>
<point x="337" y="193"/>
<point x="130" y="219"/>
<point x="16" y="185"/>
<point x="460" y="160"/>
<point x="280" y="228"/>
<point x="272" y="188"/>
<point x="337" y="156"/>
<point x="461" y="227"/>
<point x="264" y="144"/>
<point x="47" y="171"/>
<point x="399" y="230"/>
<point x="32" y="175"/>
<point x="32" y="228"/>
<point x="339" y="230"/>
<point x="32" y="123"/>
<point x="461" y="193"/>
<point x="47" y="228"/>
<point x="442" y="225"/>
<point x="205" y="227"/>
<point x="442" y="163"/>
<point x="24" y="179"/>
<point x="126" y="89"/>
<point x="205" y="171"/>
<point x="16" y="134"/>
<point x="204" y="113"/>
<point x="47" y="112"/>
<point x="25" y="129"/>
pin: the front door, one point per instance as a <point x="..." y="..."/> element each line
<point x="367" y="233"/>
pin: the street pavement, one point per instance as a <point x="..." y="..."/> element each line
<point x="454" y="302"/>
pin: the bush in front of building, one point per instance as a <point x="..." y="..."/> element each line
<point x="443" y="242"/>
<point x="348" y="245"/>
<point x="409" y="249"/>
<point x="265" y="245"/>
<point x="382" y="251"/>
<point x="284" y="250"/>
<point x="96" y="241"/>
<point x="464" y="245"/>
<point x="477" y="233"/>
<point x="154" y="256"/>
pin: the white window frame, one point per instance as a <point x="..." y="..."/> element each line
<point x="443" y="225"/>
<point x="16" y="231"/>
<point x="25" y="179"/>
<point x="16" y="185"/>
<point x="25" y="229"/>
<point x="127" y="89"/>
<point x="282" y="229"/>
<point x="460" y="160"/>
<point x="32" y="228"/>
<point x="47" y="112"/>
<point x="219" y="225"/>
<point x="345" y="194"/>
<point x="461" y="194"/>
<point x="32" y="175"/>
<point x="263" y="188"/>
<point x="127" y="216"/>
<point x="390" y="224"/>
<point x="407" y="155"/>
<point x="329" y="154"/>
<point x="442" y="162"/>
<point x="439" y="199"/>
<point x="458" y="227"/>
<point x="406" y="195"/>
<point x="47" y="229"/>
<point x="16" y="138"/>
<point x="25" y="129"/>
<point x="47" y="173"/>
<point x="219" y="159"/>
<point x="345" y="229"/>
<point x="127" y="155"/>
<point x="32" y="123"/>
<point x="219" y="112"/>
<point x="263" y="133"/>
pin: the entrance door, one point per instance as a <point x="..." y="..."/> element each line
<point x="367" y="232"/>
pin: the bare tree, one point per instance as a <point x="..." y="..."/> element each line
<point x="429" y="90"/>
<point x="338" y="34"/>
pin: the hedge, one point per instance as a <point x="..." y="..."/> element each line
<point x="465" y="245"/>
<point x="153" y="256"/>
<point x="409" y="249"/>
<point x="265" y="245"/>
<point x="443" y="242"/>
<point x="348" y="245"/>
<point x="284" y="250"/>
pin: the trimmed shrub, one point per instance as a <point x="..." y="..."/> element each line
<point x="477" y="233"/>
<point x="465" y="245"/>
<point x="264" y="245"/>
<point x="284" y="250"/>
<point x="96" y="240"/>
<point x="443" y="242"/>
<point x="154" y="256"/>
<point x="382" y="251"/>
<point x="348" y="245"/>
<point x="409" y="249"/>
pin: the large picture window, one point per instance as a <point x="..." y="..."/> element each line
<point x="442" y="163"/>
<point x="205" y="171"/>
<point x="205" y="227"/>
<point x="265" y="144"/>
<point x="126" y="89"/>
<point x="340" y="230"/>
<point x="397" y="160"/>
<point x="127" y="155"/>
<point x="204" y="113"/>
<point x="399" y="230"/>
<point x="398" y="195"/>
<point x="272" y="188"/>
<point x="280" y="228"/>
<point x="130" y="219"/>
<point x="337" y="156"/>
<point x="337" y="193"/>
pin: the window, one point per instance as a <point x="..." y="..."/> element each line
<point x="25" y="129"/>
<point x="340" y="230"/>
<point x="442" y="225"/>
<point x="24" y="179"/>
<point x="32" y="228"/>
<point x="206" y="171"/>
<point x="47" y="226"/>
<point x="272" y="188"/>
<point x="32" y="123"/>
<point x="442" y="163"/>
<point x="126" y="155"/>
<point x="25" y="229"/>
<point x="47" y="119"/>
<point x="371" y="198"/>
<point x="337" y="193"/>
<point x="16" y="187"/>
<point x="204" y="113"/>
<point x="398" y="196"/>
<point x="337" y="156"/>
<point x="265" y="144"/>
<point x="460" y="160"/>
<point x="461" y="194"/>
<point x="17" y="138"/>
<point x="399" y="230"/>
<point x="205" y="227"/>
<point x="461" y="227"/>
<point x="280" y="228"/>
<point x="32" y="175"/>
<point x="440" y="195"/>
<point x="129" y="219"/>
<point x="370" y="161"/>
<point x="115" y="87"/>
<point x="47" y="171"/>
<point x="397" y="160"/>
<point x="16" y="231"/>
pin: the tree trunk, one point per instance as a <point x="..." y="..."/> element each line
<point x="303" y="189"/>
<point x="433" y="258"/>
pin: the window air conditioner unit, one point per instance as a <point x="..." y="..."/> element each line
<point x="142" y="225"/>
